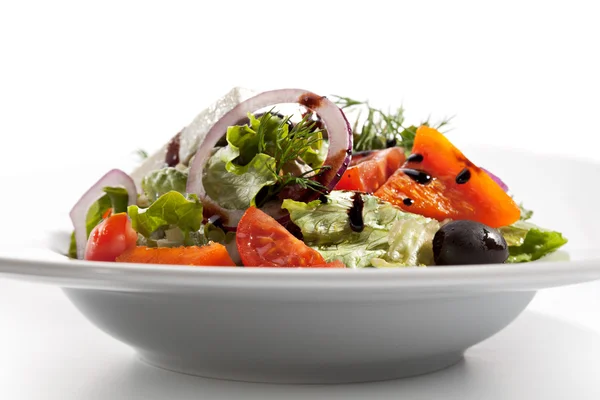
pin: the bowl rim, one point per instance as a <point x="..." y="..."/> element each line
<point x="62" y="271"/>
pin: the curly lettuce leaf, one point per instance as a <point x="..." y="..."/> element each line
<point x="258" y="137"/>
<point x="527" y="242"/>
<point x="171" y="210"/>
<point x="234" y="186"/>
<point x="389" y="234"/>
<point x="162" y="181"/>
<point x="410" y="243"/>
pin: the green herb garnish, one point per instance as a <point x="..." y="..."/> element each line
<point x="380" y="129"/>
<point x="525" y="213"/>
<point x="293" y="146"/>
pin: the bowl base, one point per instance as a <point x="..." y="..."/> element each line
<point x="315" y="374"/>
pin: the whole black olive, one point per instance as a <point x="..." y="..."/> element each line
<point x="468" y="242"/>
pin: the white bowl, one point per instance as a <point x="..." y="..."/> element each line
<point x="331" y="326"/>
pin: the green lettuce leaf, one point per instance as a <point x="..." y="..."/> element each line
<point x="410" y="243"/>
<point x="171" y="210"/>
<point x="115" y="198"/>
<point x="162" y="181"/>
<point x="525" y="213"/>
<point x="316" y="154"/>
<point x="259" y="137"/>
<point x="389" y="235"/>
<point x="527" y="242"/>
<point x="234" y="186"/>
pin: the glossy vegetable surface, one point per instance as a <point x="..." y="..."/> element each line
<point x="368" y="173"/>
<point x="263" y="242"/>
<point x="439" y="182"/>
<point x="213" y="254"/>
<point x="110" y="238"/>
<point x="468" y="242"/>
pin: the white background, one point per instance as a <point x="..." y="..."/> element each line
<point x="84" y="84"/>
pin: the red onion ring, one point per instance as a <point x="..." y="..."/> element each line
<point x="497" y="180"/>
<point x="78" y="213"/>
<point x="338" y="155"/>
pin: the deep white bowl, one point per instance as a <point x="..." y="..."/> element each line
<point x="331" y="326"/>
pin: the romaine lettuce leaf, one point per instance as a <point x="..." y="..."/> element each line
<point x="233" y="186"/>
<point x="527" y="242"/>
<point x="171" y="210"/>
<point x="389" y="235"/>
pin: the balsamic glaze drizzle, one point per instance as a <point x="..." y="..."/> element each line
<point x="355" y="212"/>
<point x="417" y="158"/>
<point x="463" y="176"/>
<point x="172" y="156"/>
<point x="418" y="176"/>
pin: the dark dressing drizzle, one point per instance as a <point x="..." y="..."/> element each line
<point x="172" y="157"/>
<point x="417" y="176"/>
<point x="294" y="230"/>
<point x="355" y="213"/>
<point x="463" y="176"/>
<point x="311" y="100"/>
<point x="417" y="158"/>
<point x="408" y="202"/>
<point x="216" y="221"/>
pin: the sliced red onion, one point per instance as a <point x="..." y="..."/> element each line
<point x="497" y="180"/>
<point x="338" y="129"/>
<point x="78" y="214"/>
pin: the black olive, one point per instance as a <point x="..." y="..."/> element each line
<point x="468" y="242"/>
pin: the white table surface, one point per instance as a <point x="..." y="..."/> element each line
<point x="84" y="84"/>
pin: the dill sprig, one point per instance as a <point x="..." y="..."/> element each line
<point x="291" y="146"/>
<point x="381" y="129"/>
<point x="141" y="154"/>
<point x="295" y="143"/>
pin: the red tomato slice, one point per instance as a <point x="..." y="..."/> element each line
<point x="439" y="182"/>
<point x="264" y="242"/>
<point x="213" y="254"/>
<point x="110" y="238"/>
<point x="368" y="173"/>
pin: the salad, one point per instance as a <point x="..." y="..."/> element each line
<point x="331" y="183"/>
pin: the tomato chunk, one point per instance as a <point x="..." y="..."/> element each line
<point x="110" y="238"/>
<point x="368" y="173"/>
<point x="213" y="254"/>
<point x="439" y="182"/>
<point x="264" y="242"/>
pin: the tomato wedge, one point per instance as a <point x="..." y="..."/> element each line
<point x="264" y="242"/>
<point x="110" y="238"/>
<point x="213" y="254"/>
<point x="439" y="182"/>
<point x="368" y="173"/>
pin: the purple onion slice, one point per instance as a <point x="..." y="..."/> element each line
<point x="338" y="155"/>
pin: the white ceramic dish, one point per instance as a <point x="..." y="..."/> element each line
<point x="326" y="326"/>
